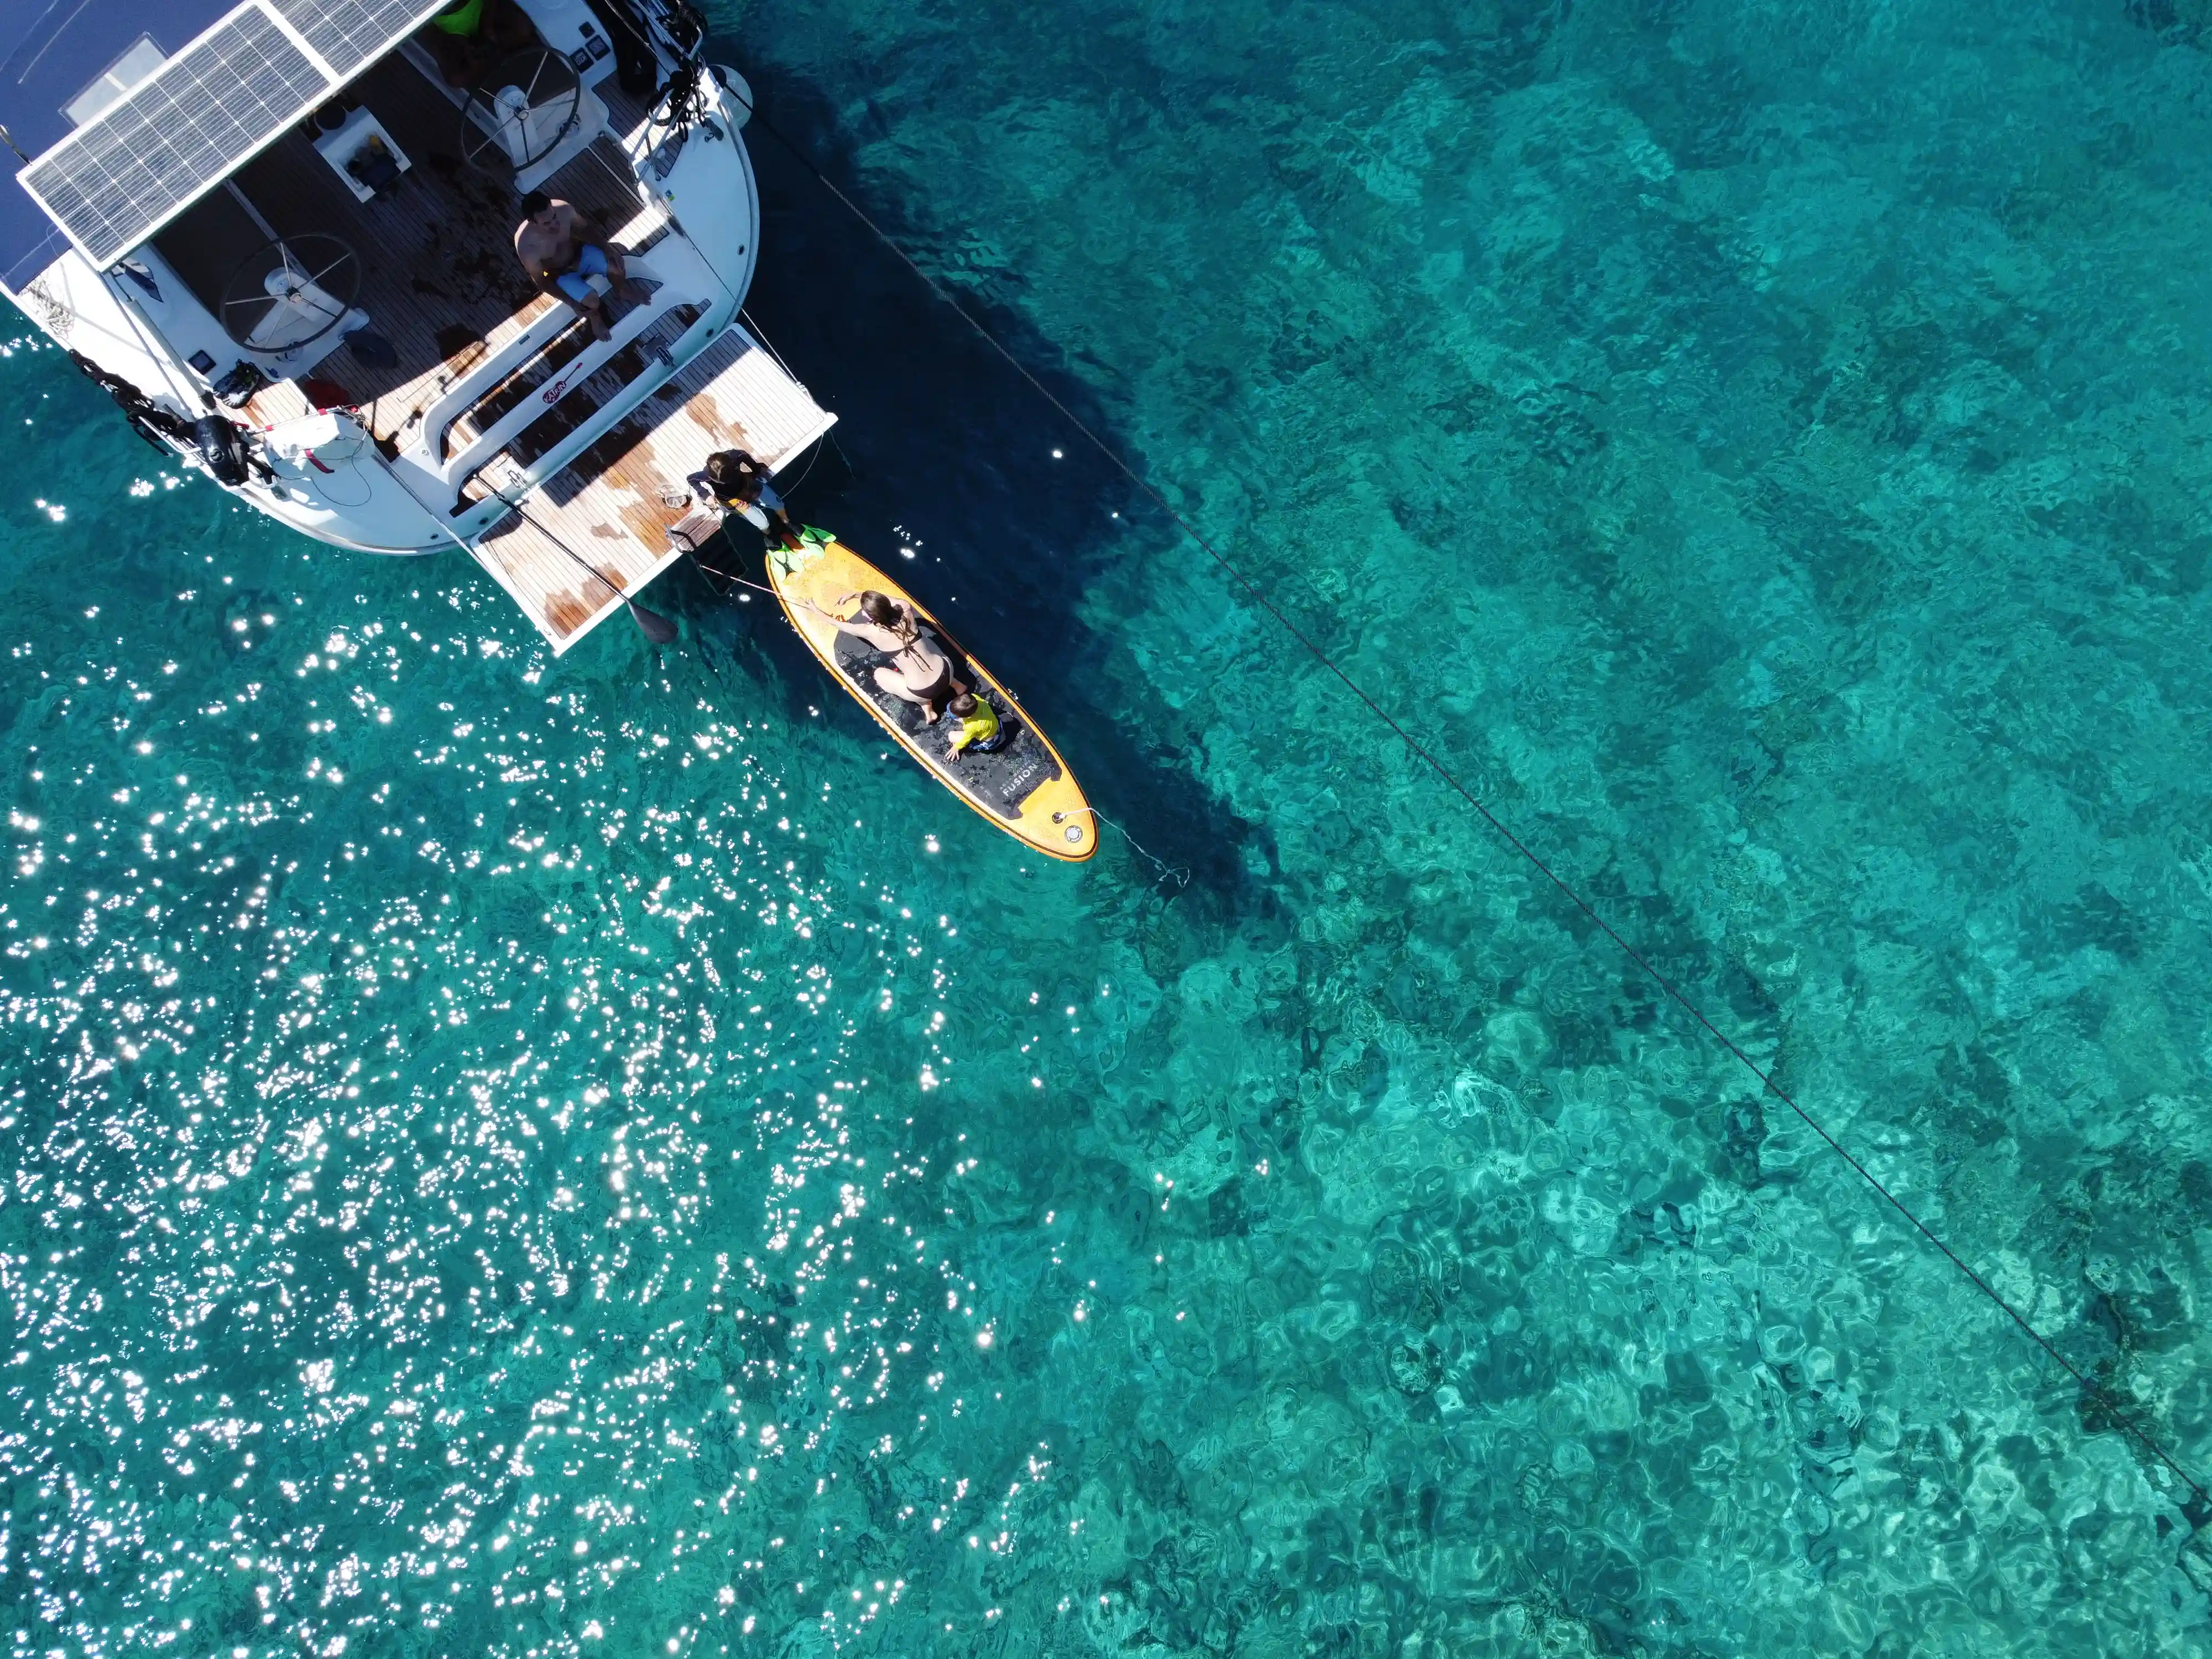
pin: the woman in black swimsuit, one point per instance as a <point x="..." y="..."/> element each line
<point x="919" y="672"/>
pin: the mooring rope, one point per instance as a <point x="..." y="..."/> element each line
<point x="1174" y="872"/>
<point x="1420" y="752"/>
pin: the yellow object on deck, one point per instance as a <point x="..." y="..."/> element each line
<point x="463" y="19"/>
<point x="1024" y="787"/>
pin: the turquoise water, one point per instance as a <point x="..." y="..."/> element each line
<point x="506" y="1157"/>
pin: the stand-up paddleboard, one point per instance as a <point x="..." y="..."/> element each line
<point x="1024" y="788"/>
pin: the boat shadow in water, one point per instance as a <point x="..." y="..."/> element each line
<point x="938" y="435"/>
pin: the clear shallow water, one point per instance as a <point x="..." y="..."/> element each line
<point x="534" y="1173"/>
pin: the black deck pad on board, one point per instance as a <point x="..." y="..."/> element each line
<point x="998" y="782"/>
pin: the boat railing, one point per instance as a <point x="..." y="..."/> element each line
<point x="431" y="426"/>
<point x="549" y="423"/>
<point x="541" y="368"/>
<point x="521" y="476"/>
<point x="465" y="388"/>
<point x="640" y="320"/>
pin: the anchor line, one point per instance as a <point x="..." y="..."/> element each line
<point x="2111" y="1408"/>
<point x="1175" y="872"/>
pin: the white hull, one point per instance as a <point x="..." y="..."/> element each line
<point x="438" y="453"/>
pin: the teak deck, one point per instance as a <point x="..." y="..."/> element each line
<point x="613" y="507"/>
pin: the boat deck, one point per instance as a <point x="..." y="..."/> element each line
<point x="440" y="279"/>
<point x="598" y="530"/>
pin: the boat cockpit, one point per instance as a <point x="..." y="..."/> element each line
<point x="361" y="253"/>
<point x="367" y="259"/>
<point x="370" y="249"/>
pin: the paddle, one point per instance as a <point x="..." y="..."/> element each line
<point x="651" y="623"/>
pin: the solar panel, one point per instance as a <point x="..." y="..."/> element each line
<point x="152" y="153"/>
<point x="349" y="32"/>
<point x="111" y="184"/>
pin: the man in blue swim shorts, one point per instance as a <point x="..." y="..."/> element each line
<point x="563" y="250"/>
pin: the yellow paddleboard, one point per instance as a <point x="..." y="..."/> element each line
<point x="1024" y="788"/>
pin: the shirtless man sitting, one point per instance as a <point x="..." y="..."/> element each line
<point x="562" y="249"/>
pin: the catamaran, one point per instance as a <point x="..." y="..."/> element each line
<point x="282" y="234"/>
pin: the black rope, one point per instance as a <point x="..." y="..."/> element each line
<point x="147" y="418"/>
<point x="685" y="104"/>
<point x="1443" y="773"/>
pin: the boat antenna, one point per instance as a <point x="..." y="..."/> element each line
<point x="651" y="623"/>
<point x="9" y="139"/>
